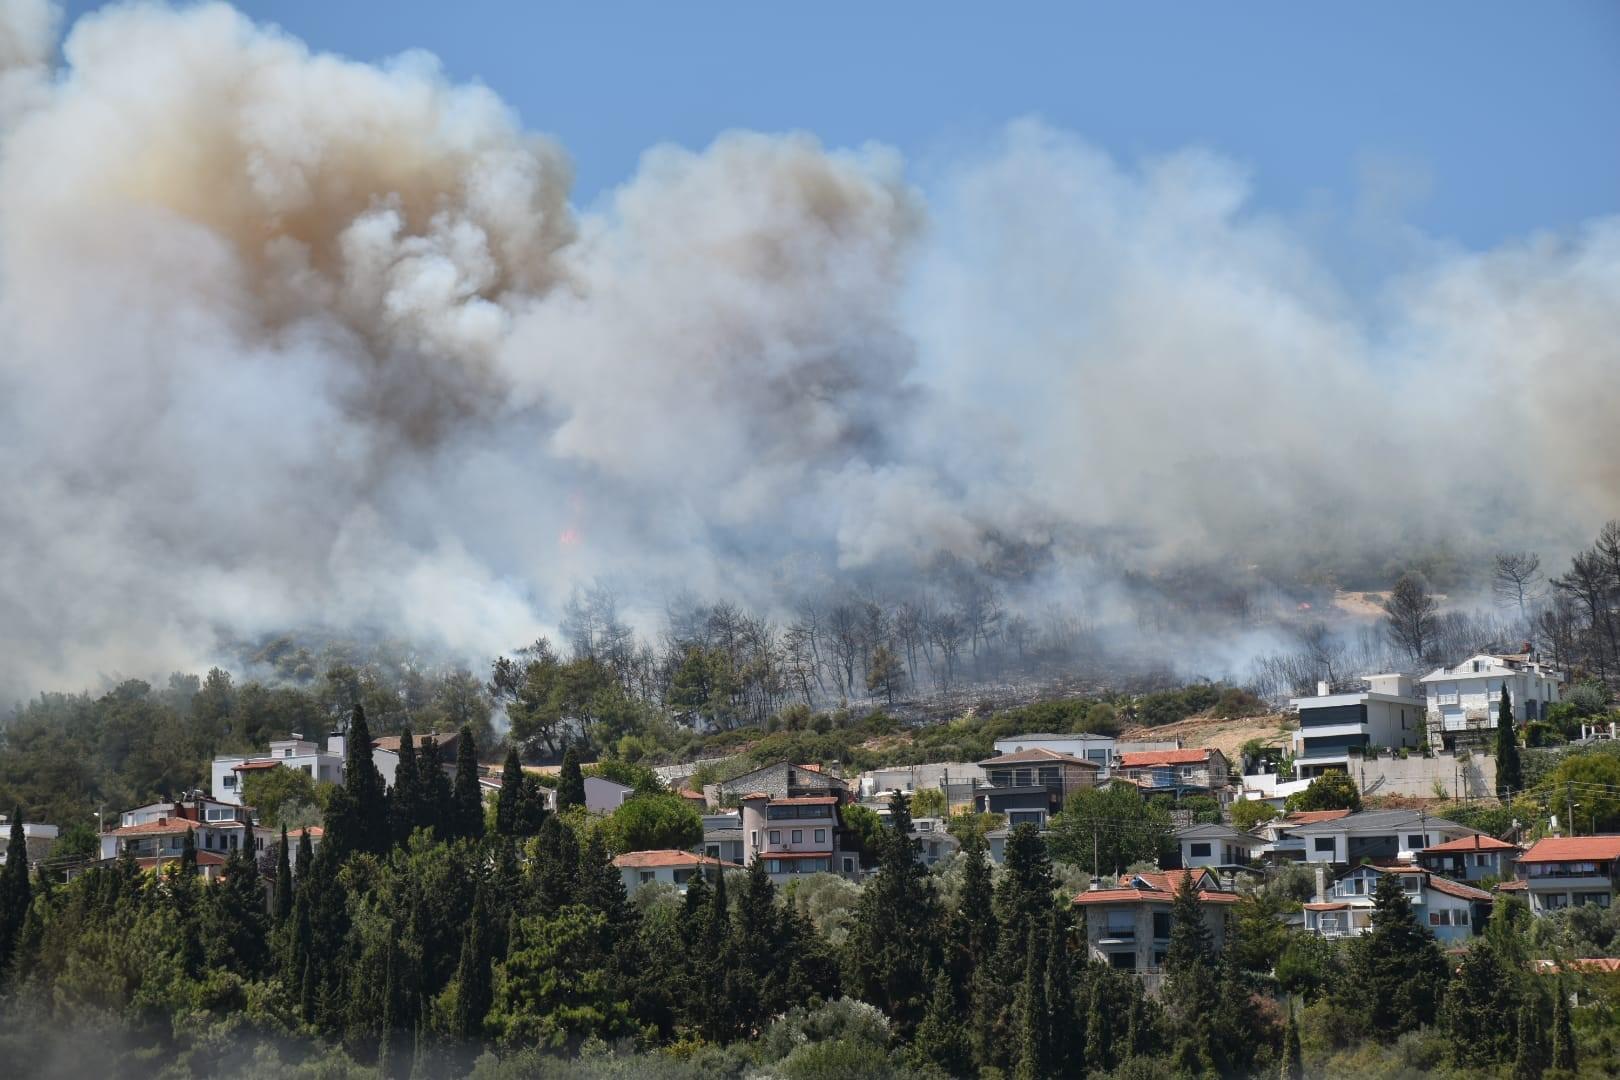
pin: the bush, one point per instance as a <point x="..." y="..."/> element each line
<point x="1331" y="791"/>
<point x="1235" y="702"/>
<point x="1251" y="812"/>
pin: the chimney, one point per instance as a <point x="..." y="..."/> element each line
<point x="1321" y="885"/>
<point x="1322" y="688"/>
<point x="335" y="743"/>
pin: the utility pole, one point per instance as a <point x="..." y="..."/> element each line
<point x="1569" y="806"/>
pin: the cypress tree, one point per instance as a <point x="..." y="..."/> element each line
<point x="1061" y="1046"/>
<point x="975" y="909"/>
<point x="1293" y="1063"/>
<point x="894" y="935"/>
<point x="556" y="866"/>
<point x="368" y="795"/>
<point x="237" y="932"/>
<point x="1136" y="1034"/>
<point x="508" y="804"/>
<point x="433" y="789"/>
<point x="711" y="1005"/>
<point x="406" y="811"/>
<point x="1481" y="994"/>
<point x="1099" y="1055"/>
<point x="756" y="941"/>
<point x="306" y="856"/>
<point x="1509" y="771"/>
<point x="1034" y="1022"/>
<point x="1563" y="1047"/>
<point x="284" y="880"/>
<point x="15" y="893"/>
<point x="570" y="782"/>
<point x="188" y="855"/>
<point x="1528" y="1063"/>
<point x="324" y="901"/>
<point x="1397" y="972"/>
<point x="474" y="989"/>
<point x="940" y="1041"/>
<point x="388" y="1021"/>
<point x="467" y="797"/>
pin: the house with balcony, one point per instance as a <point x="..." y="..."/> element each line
<point x="723" y="837"/>
<point x="1333" y="726"/>
<point x="1374" y="836"/>
<point x="1098" y="749"/>
<point x="1279" y="842"/>
<point x="794" y="835"/>
<point x="1452" y="910"/>
<point x="675" y="868"/>
<point x="323" y="762"/>
<point x="1463" y="699"/>
<point x="1128" y="926"/>
<point x="780" y="780"/>
<point x="1471" y="858"/>
<point x="957" y="779"/>
<point x="1029" y="786"/>
<point x="1569" y="871"/>
<point x="1201" y="771"/>
<point x="1210" y="846"/>
<point x="155" y="834"/>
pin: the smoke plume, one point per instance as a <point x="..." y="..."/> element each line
<point x="288" y="340"/>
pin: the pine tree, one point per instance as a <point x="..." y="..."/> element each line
<point x="570" y="782"/>
<point x="467" y="795"/>
<point x="710" y="1009"/>
<point x="1563" y="1041"/>
<point x="15" y="893"/>
<point x="473" y="981"/>
<point x="755" y="949"/>
<point x="1293" y="1063"/>
<point x="236" y="934"/>
<point x="284" y="880"/>
<point x="555" y="867"/>
<point x="324" y="901"/>
<point x="1509" y="771"/>
<point x="406" y="812"/>
<point x="974" y="931"/>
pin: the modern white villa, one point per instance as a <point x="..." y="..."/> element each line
<point x="1464" y="698"/>
<point x="1390" y="712"/>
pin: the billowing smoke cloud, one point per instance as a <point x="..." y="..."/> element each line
<point x="287" y="340"/>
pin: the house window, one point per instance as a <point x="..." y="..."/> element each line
<point x="1599" y="899"/>
<point x="1121" y="923"/>
<point x="849" y="865"/>
<point x="1355" y="886"/>
<point x="1198" y="851"/>
<point x="1415" y="843"/>
<point x="712" y="850"/>
<point x="228" y="780"/>
<point x="1460" y="917"/>
<point x="646" y="876"/>
<point x="776" y="837"/>
<point x="821" y="836"/>
<point x="1026" y="817"/>
<point x="1161" y="924"/>
<point x="1123" y="961"/>
<point x="1439" y="918"/>
<point x="753" y="839"/>
<point x="1555" y="901"/>
<point x="798" y="836"/>
<point x="1322" y="843"/>
<point x="287" y="752"/>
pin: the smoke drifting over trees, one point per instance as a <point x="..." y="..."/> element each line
<point x="290" y="341"/>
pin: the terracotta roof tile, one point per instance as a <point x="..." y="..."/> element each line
<point x="1309" y="817"/>
<point x="648" y="860"/>
<point x="1473" y="843"/>
<point x="804" y="800"/>
<point x="1574" y="849"/>
<point x="1164" y="757"/>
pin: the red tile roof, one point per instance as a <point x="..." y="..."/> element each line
<point x="811" y="768"/>
<point x="1114" y="896"/>
<point x="1610" y="964"/>
<point x="315" y="832"/>
<point x="1164" y="757"/>
<point x="1170" y="880"/>
<point x="1326" y="907"/>
<point x="1574" y="849"/>
<point x="755" y="795"/>
<point x="1456" y="888"/>
<point x="248" y="765"/>
<point x="204" y="858"/>
<point x="391" y="742"/>
<point x="1310" y="817"/>
<point x="698" y="796"/>
<point x="1037" y="755"/>
<point x="1473" y="843"/>
<point x="1515" y="886"/>
<point x="171" y="827"/>
<point x="649" y="860"/>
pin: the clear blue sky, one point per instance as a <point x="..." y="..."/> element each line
<point x="1511" y="111"/>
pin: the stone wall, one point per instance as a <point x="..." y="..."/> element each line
<point x="1459" y="776"/>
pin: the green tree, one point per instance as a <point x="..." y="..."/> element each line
<point x="357" y="818"/>
<point x="552" y="989"/>
<point x="236" y="923"/>
<point x="1190" y="988"/>
<point x="885" y="674"/>
<point x="1397" y="972"/>
<point x="1594" y="777"/>
<point x="940" y="1041"/>
<point x="1530" y="1060"/>
<point x="1480" y="998"/>
<point x="406" y="810"/>
<point x="473" y="990"/>
<point x="1034" y="1022"/>
<point x="1509" y="772"/>
<point x="284" y="880"/>
<point x="1248" y="813"/>
<point x="571" y="782"/>
<point x="863" y="831"/>
<point x="929" y="803"/>
<point x="520" y="807"/>
<point x="1108" y="828"/>
<point x="653" y="823"/>
<point x="894" y="936"/>
<point x="1563" y="1039"/>
<point x="15" y="892"/>
<point x="1333" y="790"/>
<point x="1293" y="1063"/>
<point x="282" y="796"/>
<point x="467" y="796"/>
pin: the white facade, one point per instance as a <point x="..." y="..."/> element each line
<point x="1464" y="698"/>
<point x="157" y="830"/>
<point x="1450" y="909"/>
<point x="910" y="779"/>
<point x="1210" y="846"/>
<point x="603" y="796"/>
<point x="1389" y="713"/>
<point x="1097" y="749"/>
<point x="1375" y="834"/>
<point x="324" y="765"/>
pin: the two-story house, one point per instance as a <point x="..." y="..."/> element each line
<point x="1568" y="871"/>
<point x="321" y="763"/>
<point x="794" y="835"/>
<point x="1277" y="835"/>
<point x="782" y="779"/>
<point x="1464" y="698"/>
<point x="1029" y="786"/>
<point x="155" y="834"/>
<point x="1200" y="771"/>
<point x="931" y="841"/>
<point x="1388" y="713"/>
<point x="1128" y="926"/>
<point x="1098" y="749"/>
<point x="1374" y="835"/>
<point x="38" y="840"/>
<point x="723" y="837"/>
<point x="1471" y="858"/>
<point x="956" y="779"/>
<point x="1452" y="910"/>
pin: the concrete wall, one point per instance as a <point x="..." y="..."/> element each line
<point x="1417" y="775"/>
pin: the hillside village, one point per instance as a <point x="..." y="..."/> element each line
<point x="1390" y="801"/>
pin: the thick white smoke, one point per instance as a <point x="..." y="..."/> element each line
<point x="287" y="340"/>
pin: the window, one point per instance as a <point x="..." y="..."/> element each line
<point x="1161" y="924"/>
<point x="712" y="850"/>
<point x="798" y="836"/>
<point x="1416" y="843"/>
<point x="1555" y="901"/>
<point x="1439" y="918"/>
<point x="753" y="839"/>
<point x="1355" y="886"/>
<point x="646" y="876"/>
<point x="1460" y="917"/>
<point x="1122" y="961"/>
<point x="308" y="771"/>
<point x="1597" y="899"/>
<point x="849" y="865"/>
<point x="1197" y="851"/>
<point x="1322" y="843"/>
<point x="1121" y="923"/>
<point x="821" y="836"/>
<point x="776" y="837"/>
<point x="228" y="780"/>
<point x="287" y="752"/>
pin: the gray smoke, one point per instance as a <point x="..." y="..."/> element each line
<point x="287" y="340"/>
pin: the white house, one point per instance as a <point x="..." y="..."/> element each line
<point x="1452" y="910"/>
<point x="1216" y="846"/>
<point x="638" y="868"/>
<point x="932" y="842"/>
<point x="1388" y="713"/>
<point x="1374" y="834"/>
<point x="323" y="764"/>
<point x="1464" y="698"/>
<point x="38" y="839"/>
<point x="155" y="833"/>
<point x="1128" y="927"/>
<point x="603" y="796"/>
<point x="1097" y="749"/>
<point x="956" y="779"/>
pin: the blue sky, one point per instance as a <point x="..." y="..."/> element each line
<point x="1495" y="119"/>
